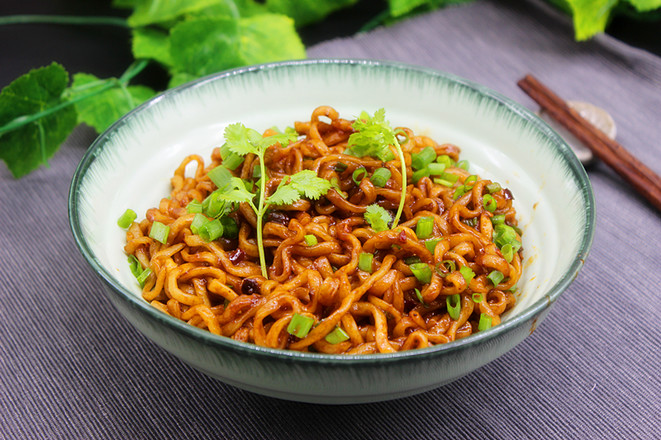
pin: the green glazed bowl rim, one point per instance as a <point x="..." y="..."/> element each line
<point x="225" y="343"/>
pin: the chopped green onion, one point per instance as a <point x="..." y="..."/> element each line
<point x="194" y="207"/>
<point x="485" y="322"/>
<point x="381" y="177"/>
<point x="477" y="297"/>
<point x="436" y="169"/>
<point x="422" y="272"/>
<point x="336" y="336"/>
<point x="424" y="228"/>
<point x="443" y="182"/>
<point x="365" y="262"/>
<point x="472" y="222"/>
<point x="489" y="203"/>
<point x="230" y="228"/>
<point x="419" y="295"/>
<point x="445" y="160"/>
<point x="453" y="303"/>
<point x="423" y="158"/>
<point x="496" y="277"/>
<point x="211" y="230"/>
<point x="504" y="234"/>
<point x="231" y="160"/>
<point x="335" y="184"/>
<point x="143" y="276"/>
<point x="493" y="187"/>
<point x="498" y="219"/>
<point x="470" y="180"/>
<point x="508" y="252"/>
<point x="134" y="265"/>
<point x="311" y="240"/>
<point x="412" y="260"/>
<point x="220" y="176"/>
<point x="213" y="206"/>
<point x="463" y="164"/>
<point x="198" y="221"/>
<point x="159" y="232"/>
<point x="358" y="175"/>
<point x="300" y="325"/>
<point x="467" y="273"/>
<point x="431" y="244"/>
<point x="450" y="265"/>
<point x="126" y="219"/>
<point x="257" y="172"/>
<point x="459" y="191"/>
<point x="340" y="167"/>
<point x="417" y="175"/>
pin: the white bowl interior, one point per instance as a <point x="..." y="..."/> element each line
<point x="136" y="158"/>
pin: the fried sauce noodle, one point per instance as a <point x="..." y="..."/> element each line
<point x="218" y="285"/>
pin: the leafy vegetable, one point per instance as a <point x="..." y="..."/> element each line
<point x="374" y="137"/>
<point x="242" y="141"/>
<point x="28" y="146"/>
<point x="377" y="217"/>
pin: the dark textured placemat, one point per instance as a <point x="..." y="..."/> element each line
<point x="71" y="367"/>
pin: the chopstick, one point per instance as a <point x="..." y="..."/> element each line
<point x="643" y="179"/>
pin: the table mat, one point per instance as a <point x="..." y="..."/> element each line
<point x="72" y="368"/>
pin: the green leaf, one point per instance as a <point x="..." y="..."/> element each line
<point x="378" y="218"/>
<point x="307" y="11"/>
<point x="269" y="37"/>
<point x="402" y="7"/>
<point x="160" y="11"/>
<point x="645" y="5"/>
<point x="307" y="183"/>
<point x="590" y="16"/>
<point x="284" y="195"/>
<point x="28" y="147"/>
<point x="373" y="137"/>
<point x="242" y="140"/>
<point x="151" y="44"/>
<point x="202" y="46"/>
<point x="101" y="110"/>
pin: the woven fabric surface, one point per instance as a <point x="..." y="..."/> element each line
<point x="72" y="368"/>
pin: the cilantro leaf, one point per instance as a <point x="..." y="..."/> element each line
<point x="101" y="110"/>
<point x="26" y="148"/>
<point x="292" y="188"/>
<point x="307" y="183"/>
<point x="378" y="218"/>
<point x="242" y="140"/>
<point x="285" y="194"/>
<point x="237" y="192"/>
<point x="373" y="137"/>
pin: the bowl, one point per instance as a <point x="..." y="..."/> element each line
<point x="129" y="165"/>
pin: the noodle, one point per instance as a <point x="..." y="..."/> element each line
<point x="218" y="285"/>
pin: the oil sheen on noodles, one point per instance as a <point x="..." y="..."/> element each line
<point x="335" y="284"/>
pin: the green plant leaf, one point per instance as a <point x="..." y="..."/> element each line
<point x="307" y="11"/>
<point x="202" y="46"/>
<point x="590" y="16"/>
<point x="28" y="147"/>
<point x="101" y="110"/>
<point x="307" y="183"/>
<point x="285" y="194"/>
<point x="378" y="217"/>
<point x="269" y="37"/>
<point x="645" y="5"/>
<point x="153" y="44"/>
<point x="161" y="11"/>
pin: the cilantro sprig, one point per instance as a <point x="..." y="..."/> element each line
<point x="242" y="141"/>
<point x="374" y="137"/>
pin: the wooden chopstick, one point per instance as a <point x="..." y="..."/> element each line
<point x="643" y="179"/>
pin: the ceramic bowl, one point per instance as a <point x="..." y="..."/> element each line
<point x="130" y="165"/>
